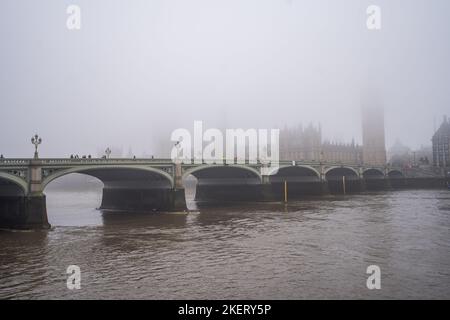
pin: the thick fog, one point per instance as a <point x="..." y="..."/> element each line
<point x="137" y="70"/>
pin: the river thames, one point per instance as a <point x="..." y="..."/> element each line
<point x="314" y="248"/>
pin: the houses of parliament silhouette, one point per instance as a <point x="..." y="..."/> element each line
<point x="306" y="144"/>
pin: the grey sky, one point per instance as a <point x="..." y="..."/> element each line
<point x="139" y="69"/>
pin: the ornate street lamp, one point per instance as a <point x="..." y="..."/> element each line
<point x="108" y="152"/>
<point x="36" y="140"/>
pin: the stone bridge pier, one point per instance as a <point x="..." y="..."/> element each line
<point x="22" y="202"/>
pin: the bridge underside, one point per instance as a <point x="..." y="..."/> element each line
<point x="220" y="184"/>
<point x="235" y="184"/>
<point x="396" y="179"/>
<point x="374" y="179"/>
<point x="300" y="181"/>
<point x="137" y="190"/>
<point x="124" y="190"/>
<point x="227" y="184"/>
<point x="340" y="180"/>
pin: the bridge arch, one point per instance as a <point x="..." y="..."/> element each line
<point x="300" y="173"/>
<point x="224" y="172"/>
<point x="112" y="174"/>
<point x="339" y="171"/>
<point x="276" y="170"/>
<point x="372" y="173"/>
<point x="395" y="174"/>
<point x="225" y="182"/>
<point x="15" y="184"/>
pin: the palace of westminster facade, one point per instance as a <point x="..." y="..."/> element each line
<point x="305" y="144"/>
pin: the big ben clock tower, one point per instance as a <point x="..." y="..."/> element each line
<point x="374" y="149"/>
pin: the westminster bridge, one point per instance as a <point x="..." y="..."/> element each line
<point x="159" y="184"/>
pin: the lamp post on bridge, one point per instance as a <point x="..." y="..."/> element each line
<point x="36" y="140"/>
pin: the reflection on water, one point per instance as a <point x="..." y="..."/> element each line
<point x="315" y="248"/>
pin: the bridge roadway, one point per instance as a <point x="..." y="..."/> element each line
<point x="158" y="184"/>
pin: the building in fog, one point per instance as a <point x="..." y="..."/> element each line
<point x="301" y="143"/>
<point x="374" y="148"/>
<point x="399" y="155"/>
<point x="423" y="155"/>
<point x="441" y="141"/>
<point x="350" y="153"/>
<point x="305" y="144"/>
